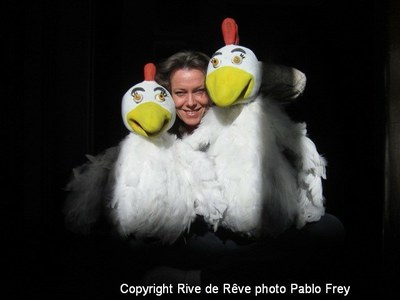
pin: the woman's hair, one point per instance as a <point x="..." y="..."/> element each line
<point x="181" y="60"/>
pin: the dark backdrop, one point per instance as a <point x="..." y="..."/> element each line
<point x="75" y="59"/>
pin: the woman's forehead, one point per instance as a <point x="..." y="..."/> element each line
<point x="187" y="77"/>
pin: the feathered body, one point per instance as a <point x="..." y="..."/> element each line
<point x="145" y="197"/>
<point x="269" y="169"/>
<point x="266" y="191"/>
<point x="160" y="186"/>
<point x="155" y="184"/>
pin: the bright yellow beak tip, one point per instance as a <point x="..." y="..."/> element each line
<point x="229" y="85"/>
<point x="148" y="119"/>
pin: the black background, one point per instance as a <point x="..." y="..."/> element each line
<point x="71" y="62"/>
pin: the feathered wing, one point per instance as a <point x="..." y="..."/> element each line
<point x="311" y="172"/>
<point x="86" y="191"/>
<point x="284" y="84"/>
<point x="150" y="198"/>
<point x="310" y="166"/>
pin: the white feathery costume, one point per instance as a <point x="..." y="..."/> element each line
<point x="160" y="182"/>
<point x="157" y="184"/>
<point x="250" y="138"/>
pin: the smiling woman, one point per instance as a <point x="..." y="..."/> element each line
<point x="183" y="74"/>
<point x="190" y="96"/>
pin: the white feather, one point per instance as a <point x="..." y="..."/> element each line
<point x="206" y="189"/>
<point x="308" y="163"/>
<point x="266" y="193"/>
<point x="160" y="186"/>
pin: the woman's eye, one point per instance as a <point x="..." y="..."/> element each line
<point x="200" y="92"/>
<point x="137" y="97"/>
<point x="215" y="62"/>
<point x="237" y="60"/>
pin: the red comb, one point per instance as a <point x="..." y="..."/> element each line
<point x="149" y="72"/>
<point x="230" y="32"/>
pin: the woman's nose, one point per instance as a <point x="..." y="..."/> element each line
<point x="190" y="100"/>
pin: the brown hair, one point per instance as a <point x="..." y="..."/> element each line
<point x="181" y="60"/>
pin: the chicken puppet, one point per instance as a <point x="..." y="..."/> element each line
<point x="269" y="169"/>
<point x="157" y="184"/>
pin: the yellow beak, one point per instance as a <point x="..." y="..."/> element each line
<point x="228" y="85"/>
<point x="148" y="119"/>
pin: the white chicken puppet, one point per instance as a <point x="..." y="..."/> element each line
<point x="250" y="138"/>
<point x="159" y="184"/>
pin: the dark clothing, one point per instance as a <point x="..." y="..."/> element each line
<point x="224" y="256"/>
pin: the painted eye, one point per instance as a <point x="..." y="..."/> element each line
<point x="237" y="60"/>
<point x="215" y="62"/>
<point x="161" y="96"/>
<point x="137" y="97"/>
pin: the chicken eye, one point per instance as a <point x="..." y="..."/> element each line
<point x="137" y="97"/>
<point x="215" y="62"/>
<point x="237" y="60"/>
<point x="161" y="96"/>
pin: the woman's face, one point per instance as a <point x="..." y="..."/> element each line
<point x="190" y="96"/>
